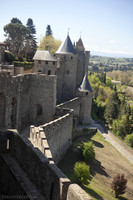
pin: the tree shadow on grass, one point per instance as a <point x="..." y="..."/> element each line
<point x="92" y="193"/>
<point x="96" y="167"/>
<point x="97" y="144"/>
<point x="122" y="198"/>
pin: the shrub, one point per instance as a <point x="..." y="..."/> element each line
<point x="26" y="65"/>
<point x="82" y="172"/>
<point x="9" y="57"/>
<point x="129" y="139"/>
<point x="119" y="184"/>
<point x="87" y="151"/>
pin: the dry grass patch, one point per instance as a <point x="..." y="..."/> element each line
<point x="108" y="162"/>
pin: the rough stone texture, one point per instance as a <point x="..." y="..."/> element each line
<point x="18" y="70"/>
<point x="85" y="107"/>
<point x="72" y="104"/>
<point x="26" y="99"/>
<point x="46" y="176"/>
<point x="76" y="193"/>
<point x="66" y="76"/>
<point x="59" y="135"/>
<point x="46" y="67"/>
<point x="18" y="182"/>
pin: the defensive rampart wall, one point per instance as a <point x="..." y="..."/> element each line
<point x="26" y="99"/>
<point x="51" y="182"/>
<point x="59" y="135"/>
<point x="71" y="104"/>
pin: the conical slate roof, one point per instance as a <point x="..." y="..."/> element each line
<point x="44" y="55"/>
<point x="85" y="85"/>
<point x="66" y="47"/>
<point x="79" y="44"/>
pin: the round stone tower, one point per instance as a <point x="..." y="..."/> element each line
<point x="85" y="93"/>
<point x="66" y="71"/>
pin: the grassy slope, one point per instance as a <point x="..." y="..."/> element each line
<point x="108" y="163"/>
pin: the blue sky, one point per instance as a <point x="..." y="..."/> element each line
<point x="105" y="25"/>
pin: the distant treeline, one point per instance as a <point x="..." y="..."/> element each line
<point x="99" y="63"/>
<point x="126" y="77"/>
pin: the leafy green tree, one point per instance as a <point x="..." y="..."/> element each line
<point x="119" y="184"/>
<point x="87" y="151"/>
<point x="48" y="31"/>
<point x="82" y="172"/>
<point x="109" y="82"/>
<point x="50" y="44"/>
<point x="112" y="108"/>
<point x="129" y="139"/>
<point x="16" y="34"/>
<point x="121" y="126"/>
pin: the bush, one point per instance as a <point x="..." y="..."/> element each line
<point x="119" y="184"/>
<point x="82" y="172"/>
<point x="26" y="65"/>
<point x="87" y="151"/>
<point x="129" y="139"/>
<point x="9" y="57"/>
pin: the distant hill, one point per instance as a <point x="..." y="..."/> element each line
<point x="99" y="53"/>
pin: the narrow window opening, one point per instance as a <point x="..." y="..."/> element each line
<point x="67" y="72"/>
<point x="54" y="63"/>
<point x="7" y="146"/>
<point x="39" y="61"/>
<point x="46" y="62"/>
<point x="86" y="93"/>
<point x="49" y="72"/>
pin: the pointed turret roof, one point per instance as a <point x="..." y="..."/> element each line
<point x="79" y="44"/>
<point x="85" y="85"/>
<point x="66" y="47"/>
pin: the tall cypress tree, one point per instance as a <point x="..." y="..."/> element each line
<point x="112" y="108"/>
<point x="48" y="31"/>
<point x="31" y="26"/>
<point x="31" y="44"/>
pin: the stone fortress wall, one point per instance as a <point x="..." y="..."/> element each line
<point x="59" y="134"/>
<point x="31" y="99"/>
<point x="31" y="172"/>
<point x="22" y="97"/>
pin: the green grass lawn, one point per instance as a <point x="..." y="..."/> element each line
<point x="108" y="162"/>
